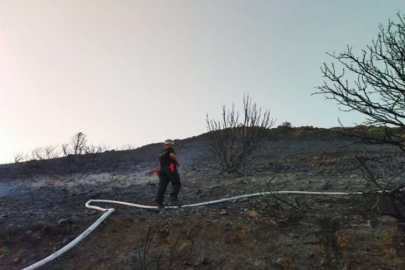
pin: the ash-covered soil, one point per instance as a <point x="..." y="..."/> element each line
<point x="42" y="209"/>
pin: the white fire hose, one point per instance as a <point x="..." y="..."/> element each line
<point x="109" y="211"/>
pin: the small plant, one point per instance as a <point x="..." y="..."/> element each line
<point x="286" y="125"/>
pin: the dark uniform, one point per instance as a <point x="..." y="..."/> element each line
<point x="168" y="173"/>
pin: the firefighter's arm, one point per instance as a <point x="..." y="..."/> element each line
<point x="173" y="156"/>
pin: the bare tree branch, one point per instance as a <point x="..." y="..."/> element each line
<point x="19" y="157"/>
<point x="378" y="84"/>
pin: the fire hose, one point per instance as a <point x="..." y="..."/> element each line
<point x="109" y="211"/>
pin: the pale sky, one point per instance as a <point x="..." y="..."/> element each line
<point x="139" y="72"/>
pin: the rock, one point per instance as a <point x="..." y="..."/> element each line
<point x="65" y="221"/>
<point x="254" y="214"/>
<point x="342" y="238"/>
<point x="223" y="212"/>
<point x="279" y="261"/>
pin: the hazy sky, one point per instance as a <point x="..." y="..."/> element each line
<point x="138" y="72"/>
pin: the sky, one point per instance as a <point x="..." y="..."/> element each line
<point x="139" y="72"/>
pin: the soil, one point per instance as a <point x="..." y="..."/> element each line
<point x="42" y="212"/>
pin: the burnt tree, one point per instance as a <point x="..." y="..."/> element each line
<point x="373" y="84"/>
<point x="231" y="140"/>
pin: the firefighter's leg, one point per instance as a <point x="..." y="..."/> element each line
<point x="176" y="185"/>
<point x="163" y="182"/>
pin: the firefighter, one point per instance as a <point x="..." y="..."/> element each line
<point x="168" y="173"/>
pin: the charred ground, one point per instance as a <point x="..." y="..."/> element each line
<point x="44" y="209"/>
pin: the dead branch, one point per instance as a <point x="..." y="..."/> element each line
<point x="51" y="152"/>
<point x="38" y="154"/>
<point x="65" y="149"/>
<point x="390" y="188"/>
<point x="188" y="253"/>
<point x="282" y="205"/>
<point x="368" y="175"/>
<point x="19" y="157"/>
<point x="143" y="249"/>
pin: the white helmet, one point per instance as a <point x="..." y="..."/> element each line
<point x="169" y="141"/>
